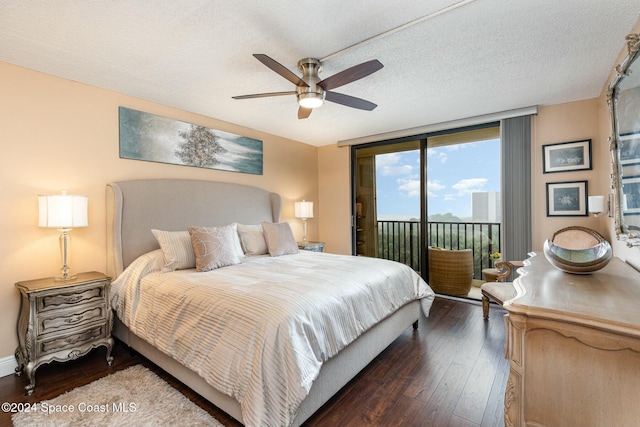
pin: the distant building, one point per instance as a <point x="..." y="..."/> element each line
<point x="486" y="206"/>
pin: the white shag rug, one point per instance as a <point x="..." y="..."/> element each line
<point x="132" y="397"/>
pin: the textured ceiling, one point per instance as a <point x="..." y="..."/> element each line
<point x="482" y="57"/>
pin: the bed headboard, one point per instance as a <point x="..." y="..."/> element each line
<point x="135" y="207"/>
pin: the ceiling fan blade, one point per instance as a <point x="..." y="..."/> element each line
<point x="349" y="101"/>
<point x="280" y="69"/>
<point x="264" y="95"/>
<point x="303" y="113"/>
<point x="350" y="74"/>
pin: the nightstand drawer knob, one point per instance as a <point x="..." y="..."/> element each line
<point x="74" y="298"/>
<point x="75" y="319"/>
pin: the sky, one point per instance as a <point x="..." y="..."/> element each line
<point x="454" y="172"/>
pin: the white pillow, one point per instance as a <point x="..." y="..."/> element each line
<point x="214" y="247"/>
<point x="237" y="246"/>
<point x="252" y="239"/>
<point x="176" y="248"/>
<point x="279" y="238"/>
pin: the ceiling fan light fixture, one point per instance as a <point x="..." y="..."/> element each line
<point x="310" y="100"/>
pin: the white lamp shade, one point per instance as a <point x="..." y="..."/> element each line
<point x="62" y="211"/>
<point x="304" y="209"/>
<point x="596" y="204"/>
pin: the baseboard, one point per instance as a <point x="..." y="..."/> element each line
<point x="8" y="366"/>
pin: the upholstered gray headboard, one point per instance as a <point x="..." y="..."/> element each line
<point x="135" y="207"/>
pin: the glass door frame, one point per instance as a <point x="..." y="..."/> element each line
<point x="423" y="147"/>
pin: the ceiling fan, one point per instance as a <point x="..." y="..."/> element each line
<point x="311" y="91"/>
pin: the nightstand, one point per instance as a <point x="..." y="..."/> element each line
<point x="61" y="321"/>
<point x="311" y="246"/>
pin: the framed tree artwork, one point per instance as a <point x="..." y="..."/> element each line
<point x="567" y="156"/>
<point x="145" y="136"/>
<point x="567" y="198"/>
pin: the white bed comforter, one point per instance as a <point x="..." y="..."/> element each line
<point x="260" y="330"/>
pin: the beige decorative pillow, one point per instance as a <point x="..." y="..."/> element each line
<point x="176" y="248"/>
<point x="214" y="247"/>
<point x="252" y="239"/>
<point x="279" y="238"/>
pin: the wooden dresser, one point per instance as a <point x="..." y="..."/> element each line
<point x="574" y="346"/>
<point x="61" y="321"/>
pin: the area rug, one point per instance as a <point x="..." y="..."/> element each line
<point x="132" y="397"/>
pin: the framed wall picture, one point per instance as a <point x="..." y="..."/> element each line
<point x="152" y="138"/>
<point x="566" y="156"/>
<point x="631" y="195"/>
<point x="567" y="198"/>
<point x="630" y="149"/>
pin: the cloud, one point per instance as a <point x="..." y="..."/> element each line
<point x="433" y="187"/>
<point x="437" y="155"/>
<point x="409" y="187"/>
<point x="468" y="186"/>
<point x="390" y="165"/>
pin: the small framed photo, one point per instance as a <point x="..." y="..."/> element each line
<point x="567" y="156"/>
<point x="567" y="198"/>
<point x="631" y="195"/>
<point x="629" y="149"/>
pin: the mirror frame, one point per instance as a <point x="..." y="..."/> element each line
<point x="632" y="238"/>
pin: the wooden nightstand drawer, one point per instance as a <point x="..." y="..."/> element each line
<point x="67" y="299"/>
<point x="82" y="316"/>
<point x="70" y="341"/>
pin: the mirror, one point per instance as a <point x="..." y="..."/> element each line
<point x="623" y="98"/>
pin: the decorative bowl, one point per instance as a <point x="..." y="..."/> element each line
<point x="578" y="250"/>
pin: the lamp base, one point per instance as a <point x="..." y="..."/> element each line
<point x="304" y="231"/>
<point x="65" y="246"/>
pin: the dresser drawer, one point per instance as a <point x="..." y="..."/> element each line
<point x="69" y="299"/>
<point x="71" y="341"/>
<point x="83" y="315"/>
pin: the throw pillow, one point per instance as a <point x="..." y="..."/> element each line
<point x="252" y="239"/>
<point x="279" y="238"/>
<point x="176" y="248"/>
<point x="214" y="247"/>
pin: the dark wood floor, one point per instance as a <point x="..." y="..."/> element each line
<point x="449" y="372"/>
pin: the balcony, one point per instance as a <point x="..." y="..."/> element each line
<point x="400" y="241"/>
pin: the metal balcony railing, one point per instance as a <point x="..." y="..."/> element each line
<point x="400" y="241"/>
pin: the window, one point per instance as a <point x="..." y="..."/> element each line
<point x="442" y="189"/>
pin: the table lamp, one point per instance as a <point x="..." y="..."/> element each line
<point x="304" y="211"/>
<point x="64" y="212"/>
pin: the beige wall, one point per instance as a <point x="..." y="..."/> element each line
<point x="335" y="197"/>
<point x="61" y="135"/>
<point x="562" y="123"/>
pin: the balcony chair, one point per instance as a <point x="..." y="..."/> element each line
<point x="450" y="271"/>
<point x="499" y="291"/>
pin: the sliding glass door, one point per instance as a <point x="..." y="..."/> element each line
<point x="388" y="201"/>
<point x="441" y="189"/>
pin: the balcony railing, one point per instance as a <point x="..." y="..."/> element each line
<point x="400" y="241"/>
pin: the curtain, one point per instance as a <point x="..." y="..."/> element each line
<point x="516" y="187"/>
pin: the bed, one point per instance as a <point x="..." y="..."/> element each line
<point x="136" y="207"/>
